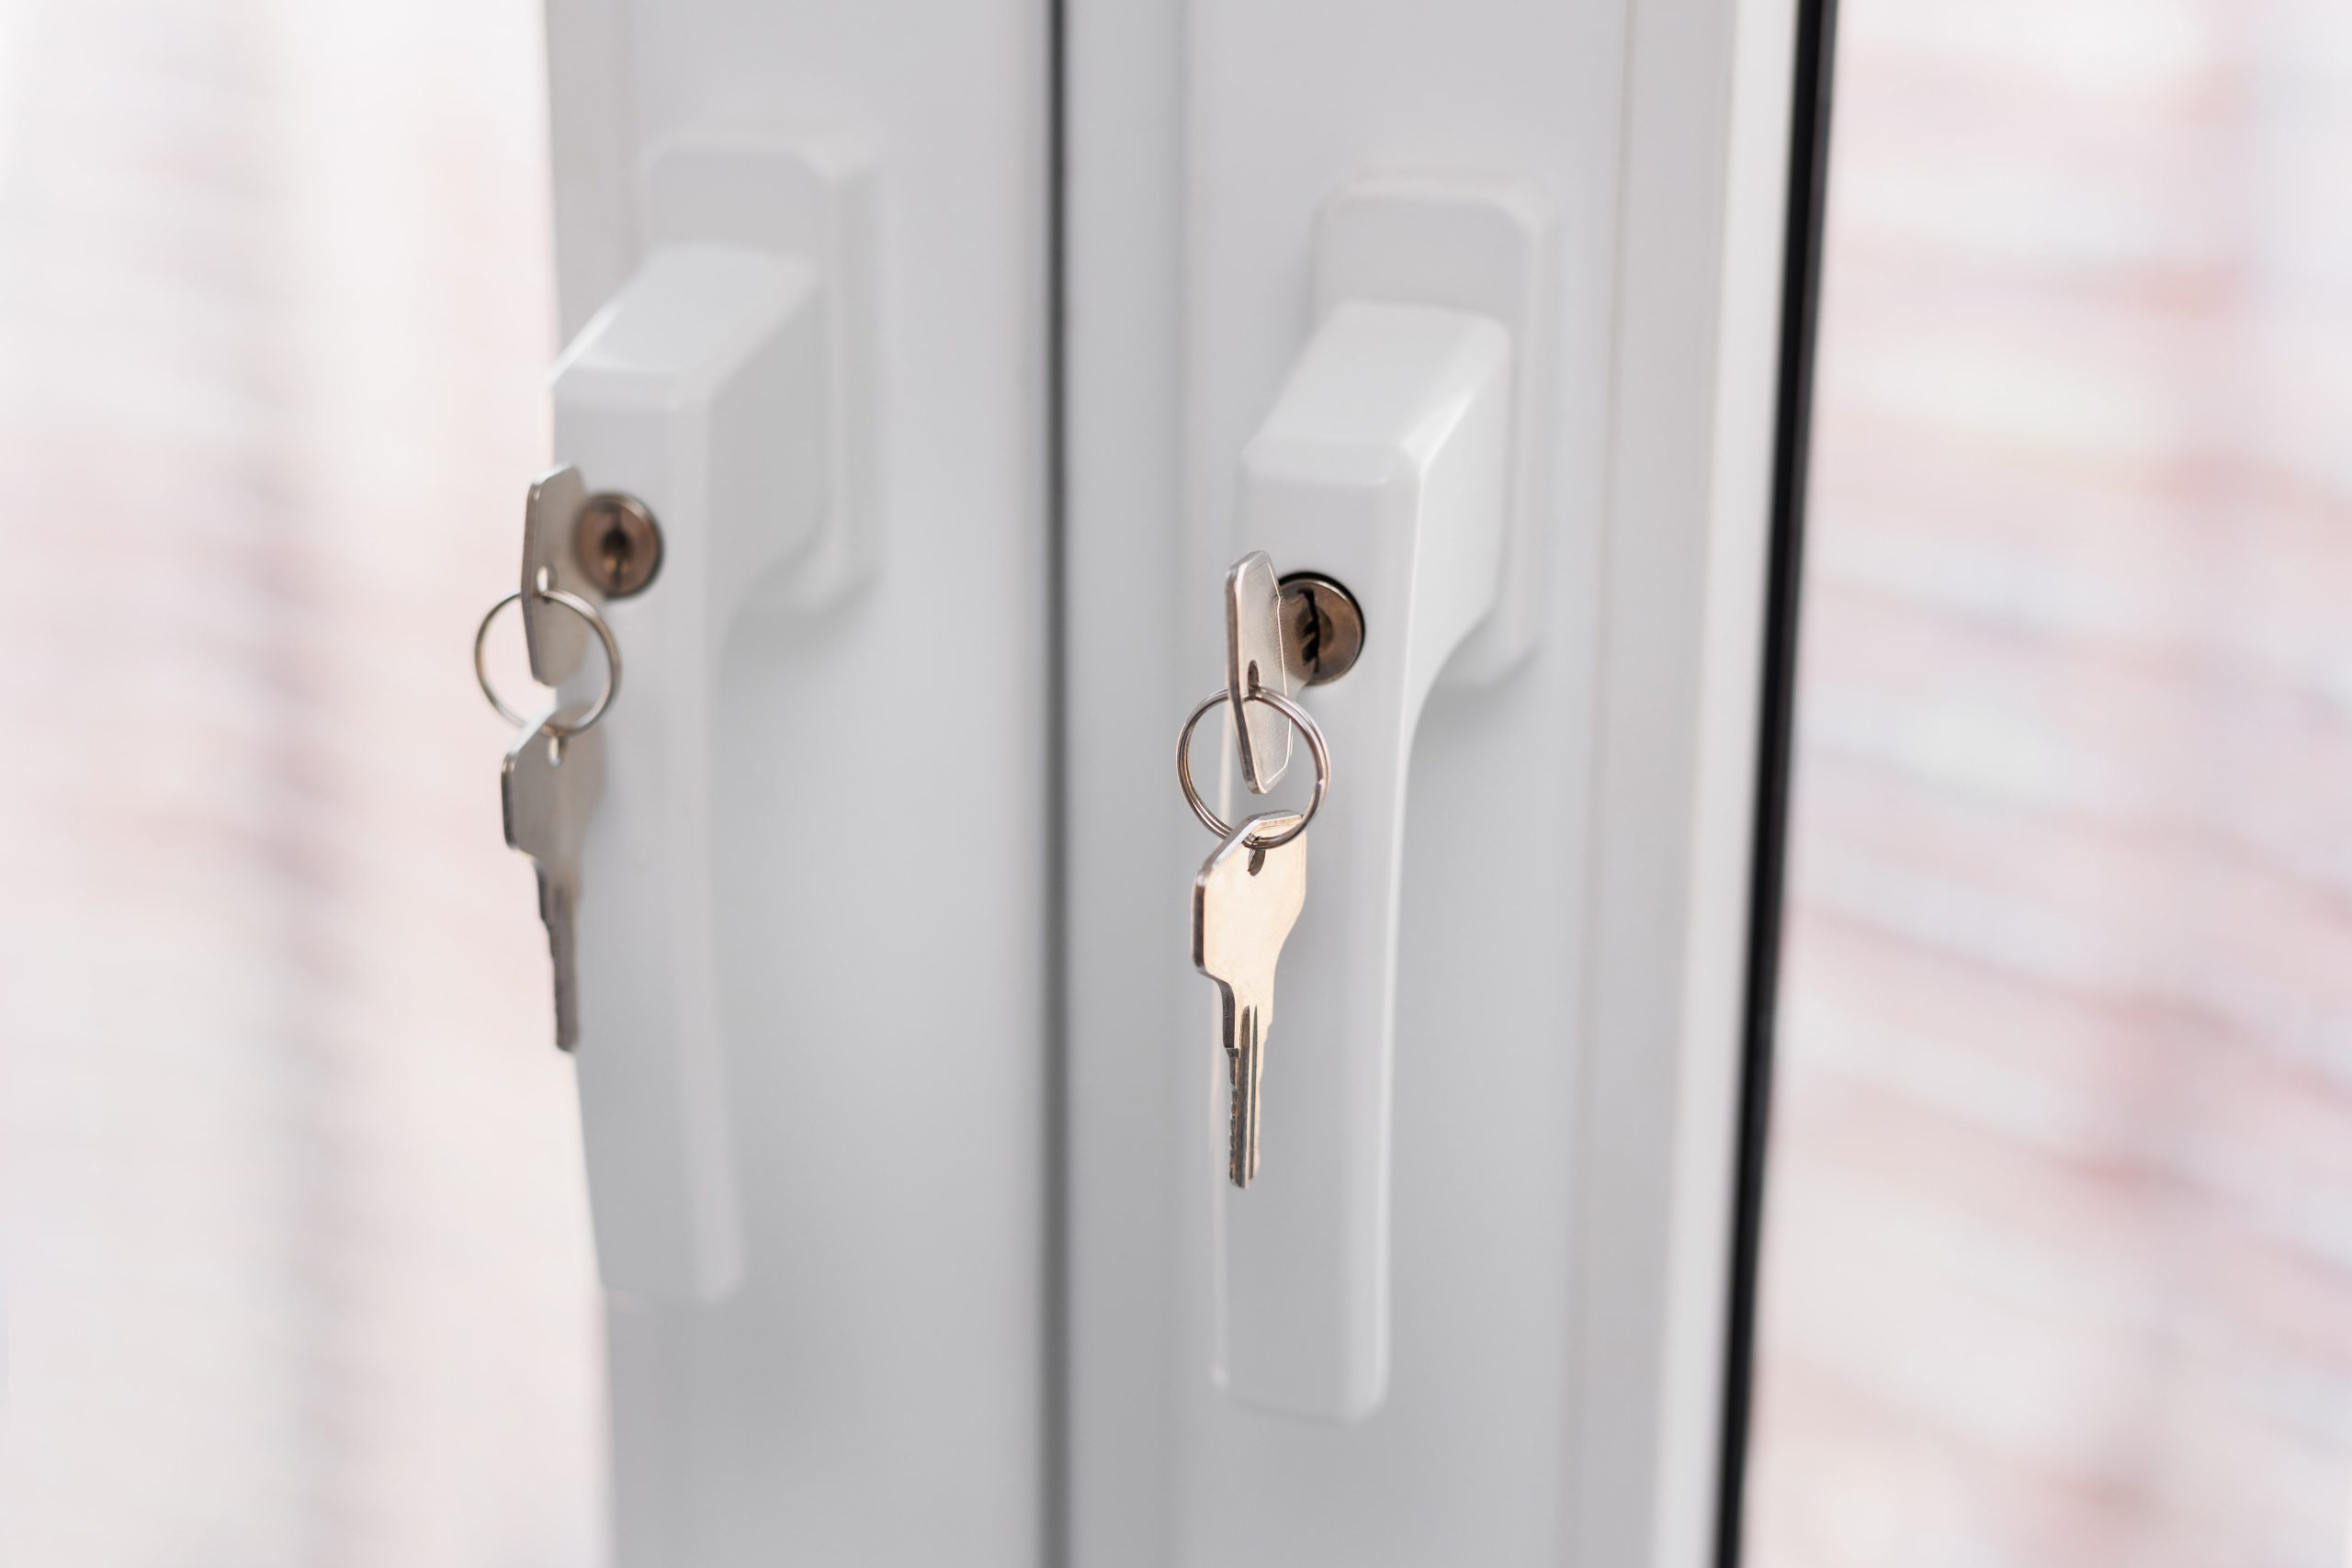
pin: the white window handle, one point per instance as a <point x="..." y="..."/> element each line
<point x="724" y="387"/>
<point x="1401" y="460"/>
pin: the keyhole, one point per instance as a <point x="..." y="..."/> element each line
<point x="1310" y="629"/>
<point x="1326" y="628"/>
<point x="617" y="543"/>
<point x="615" y="549"/>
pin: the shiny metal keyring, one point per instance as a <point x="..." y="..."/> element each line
<point x="586" y="612"/>
<point x="1307" y="726"/>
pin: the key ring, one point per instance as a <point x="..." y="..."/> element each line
<point x="1305" y="725"/>
<point x="586" y="612"/>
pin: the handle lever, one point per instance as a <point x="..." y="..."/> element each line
<point x="1396" y="461"/>
<point x="722" y="386"/>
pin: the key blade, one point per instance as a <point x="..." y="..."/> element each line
<point x="1245" y="1060"/>
<point x="555" y="910"/>
<point x="1253" y="657"/>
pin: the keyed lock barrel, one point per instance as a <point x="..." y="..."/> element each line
<point x="1322" y="629"/>
<point x="618" y="543"/>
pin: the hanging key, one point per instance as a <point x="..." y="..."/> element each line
<point x="555" y="640"/>
<point x="548" y="787"/>
<point x="1244" y="903"/>
<point x="1254" y="661"/>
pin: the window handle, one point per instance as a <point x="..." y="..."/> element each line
<point x="1402" y="459"/>
<point x="723" y="386"/>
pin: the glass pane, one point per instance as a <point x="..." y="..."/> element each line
<point x="292" y="1236"/>
<point x="2058" y="1239"/>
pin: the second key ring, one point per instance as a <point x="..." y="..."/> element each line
<point x="1305" y="725"/>
<point x="586" y="612"/>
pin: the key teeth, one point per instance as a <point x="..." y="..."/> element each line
<point x="1236" y="1167"/>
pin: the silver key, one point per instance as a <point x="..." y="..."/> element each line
<point x="556" y="638"/>
<point x="1244" y="903"/>
<point x="548" y="788"/>
<point x="1253" y="660"/>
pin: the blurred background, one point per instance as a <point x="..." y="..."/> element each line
<point x="290" y="1203"/>
<point x="2058" y="1263"/>
<point x="2058" y="1244"/>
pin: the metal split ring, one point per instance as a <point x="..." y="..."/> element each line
<point x="1304" y="724"/>
<point x="586" y="612"/>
